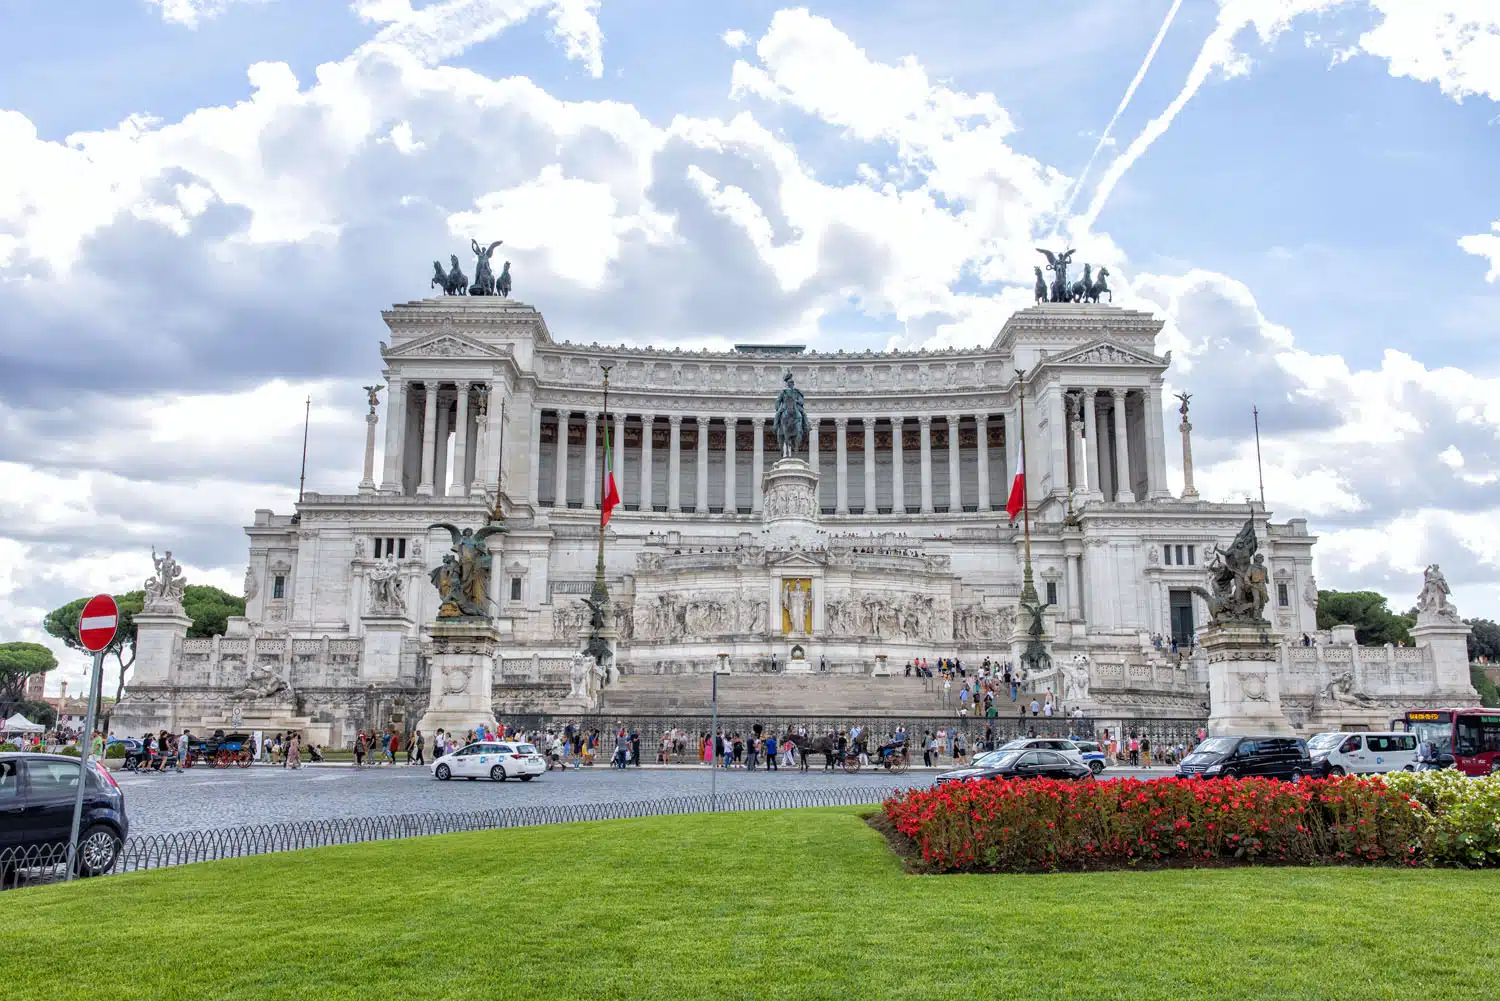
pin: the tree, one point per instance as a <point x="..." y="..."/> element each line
<point x="1374" y="623"/>
<point x="1484" y="641"/>
<point x="208" y="607"/>
<point x="1489" y="693"/>
<point x="37" y="712"/>
<point x="19" y="661"/>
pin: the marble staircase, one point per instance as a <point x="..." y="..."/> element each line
<point x="776" y="695"/>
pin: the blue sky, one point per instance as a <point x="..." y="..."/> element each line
<point x="1315" y="223"/>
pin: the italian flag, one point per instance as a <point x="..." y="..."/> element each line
<point x="611" y="494"/>
<point x="1017" y="498"/>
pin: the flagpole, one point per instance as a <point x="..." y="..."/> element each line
<point x="1028" y="585"/>
<point x="498" y="514"/>
<point x="601" y="590"/>
<point x="306" y="423"/>
<point x="1259" y="473"/>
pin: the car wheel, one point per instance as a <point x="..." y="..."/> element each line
<point x="527" y="778"/>
<point x="98" y="847"/>
<point x="1296" y="775"/>
<point x="1096" y="767"/>
<point x="444" y="772"/>
<point x="1335" y="770"/>
<point x="497" y="774"/>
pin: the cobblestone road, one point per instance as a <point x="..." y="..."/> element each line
<point x="200" y="799"/>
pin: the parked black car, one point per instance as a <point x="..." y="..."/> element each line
<point x="1266" y="757"/>
<point x="36" y="813"/>
<point x="1019" y="764"/>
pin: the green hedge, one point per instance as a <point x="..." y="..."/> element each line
<point x="115" y="751"/>
<point x="7" y="746"/>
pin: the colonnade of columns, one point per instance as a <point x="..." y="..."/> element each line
<point x="1101" y="430"/>
<point x="965" y="467"/>
<point x="428" y="412"/>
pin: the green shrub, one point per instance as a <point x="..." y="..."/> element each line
<point x="115" y="751"/>
<point x="7" y="746"/>
<point x="1463" y="812"/>
<point x="71" y="751"/>
<point x="1489" y="694"/>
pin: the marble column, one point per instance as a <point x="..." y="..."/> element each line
<point x="1189" y="492"/>
<point x="841" y="445"/>
<point x="898" y="467"/>
<point x="1103" y="487"/>
<point x="460" y="479"/>
<point x="440" y="462"/>
<point x="870" y="506"/>
<point x="487" y="415"/>
<point x="429" y="439"/>
<point x="1075" y="588"/>
<point x="560" y="495"/>
<point x="648" y="423"/>
<point x="617" y="454"/>
<point x="395" y="424"/>
<point x="924" y="423"/>
<point x="731" y="503"/>
<point x="701" y="501"/>
<point x="1078" y="447"/>
<point x="1156" y="445"/>
<point x="591" y="462"/>
<point x="367" y="482"/>
<point x="674" y="464"/>
<point x="1091" y="442"/>
<point x="757" y="463"/>
<point x="1122" y="449"/>
<point x="812" y="442"/>
<point x="982" y="425"/>
<point x="955" y="467"/>
<point x="1057" y="439"/>
<point x="534" y="457"/>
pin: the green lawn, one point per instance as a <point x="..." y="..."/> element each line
<point x="799" y="905"/>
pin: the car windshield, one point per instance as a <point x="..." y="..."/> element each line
<point x="1013" y="744"/>
<point x="525" y="749"/>
<point x="1217" y="745"/>
<point x="1324" y="742"/>
<point x="998" y="759"/>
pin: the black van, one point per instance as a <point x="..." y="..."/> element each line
<point x="1267" y="757"/>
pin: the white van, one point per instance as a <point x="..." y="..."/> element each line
<point x="1363" y="753"/>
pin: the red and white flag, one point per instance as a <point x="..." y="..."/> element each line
<point x="1017" y="499"/>
<point x="611" y="495"/>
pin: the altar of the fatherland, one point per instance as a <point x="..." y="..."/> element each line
<point x="890" y="543"/>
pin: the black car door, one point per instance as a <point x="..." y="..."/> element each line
<point x="51" y="785"/>
<point x="1054" y="765"/>
<point x="1028" y="765"/>
<point x="12" y="805"/>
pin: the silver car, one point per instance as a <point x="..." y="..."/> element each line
<point x="1067" y="748"/>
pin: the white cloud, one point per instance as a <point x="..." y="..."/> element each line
<point x="442" y="30"/>
<point x="1485" y="245"/>
<point x="189" y="13"/>
<point x="734" y="38"/>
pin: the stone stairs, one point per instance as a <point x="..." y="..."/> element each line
<point x="776" y="695"/>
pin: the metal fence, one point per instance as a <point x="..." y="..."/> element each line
<point x="48" y="863"/>
<point x="696" y="726"/>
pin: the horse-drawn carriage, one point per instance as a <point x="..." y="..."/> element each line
<point x="223" y="750"/>
<point x="891" y="756"/>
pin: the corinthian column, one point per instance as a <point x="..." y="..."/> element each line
<point x="560" y="494"/>
<point x="460" y="485"/>
<point x="982" y="424"/>
<point x="898" y="467"/>
<point x="367" y="484"/>
<point x="924" y="422"/>
<point x="590" y="463"/>
<point x="731" y="503"/>
<point x="870" y="507"/>
<point x="429" y="438"/>
<point x="841" y="439"/>
<point x="674" y="464"/>
<point x="395" y="427"/>
<point x="1122" y="449"/>
<point x="955" y="482"/>
<point x="701" y="505"/>
<point x="648" y="422"/>
<point x="757" y="463"/>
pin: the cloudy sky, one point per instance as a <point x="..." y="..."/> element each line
<point x="205" y="203"/>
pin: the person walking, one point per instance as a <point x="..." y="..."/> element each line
<point x="419" y="742"/>
<point x="294" y="751"/>
<point x="770" y="743"/>
<point x="410" y="749"/>
<point x="184" y="747"/>
<point x="392" y="745"/>
<point x="1036" y="707"/>
<point x="359" y="749"/>
<point x="1145" y="752"/>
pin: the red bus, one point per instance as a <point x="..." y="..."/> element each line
<point x="1469" y="738"/>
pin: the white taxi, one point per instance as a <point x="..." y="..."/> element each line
<point x="496" y="760"/>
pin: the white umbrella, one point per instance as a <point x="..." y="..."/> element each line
<point x="20" y="724"/>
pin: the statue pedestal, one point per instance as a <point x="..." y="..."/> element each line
<point x="1448" y="643"/>
<point x="462" y="670"/>
<point x="1244" y="681"/>
<point x="384" y="635"/>
<point x="158" y="637"/>
<point x="796" y="661"/>
<point x="882" y="668"/>
<point x="790" y="502"/>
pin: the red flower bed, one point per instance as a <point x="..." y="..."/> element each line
<point x="1039" y="825"/>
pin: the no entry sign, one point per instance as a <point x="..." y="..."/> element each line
<point x="96" y="626"/>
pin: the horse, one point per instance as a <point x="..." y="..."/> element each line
<point x="826" y="745"/>
<point x="1100" y="287"/>
<point x="502" y="284"/>
<point x="454" y="282"/>
<point x="1080" y="290"/>
<point x="1040" y="290"/>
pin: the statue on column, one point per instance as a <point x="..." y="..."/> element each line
<point x="484" y="278"/>
<point x="1238" y="588"/>
<point x="373" y="393"/>
<point x="1433" y="601"/>
<point x="165" y="589"/>
<point x="462" y="579"/>
<point x="791" y="418"/>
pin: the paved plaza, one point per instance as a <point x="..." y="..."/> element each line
<point x="200" y="799"/>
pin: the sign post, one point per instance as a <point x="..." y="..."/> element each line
<point x="97" y="624"/>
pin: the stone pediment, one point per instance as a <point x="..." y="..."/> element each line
<point x="445" y="344"/>
<point x="1104" y="352"/>
<point x="797" y="558"/>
